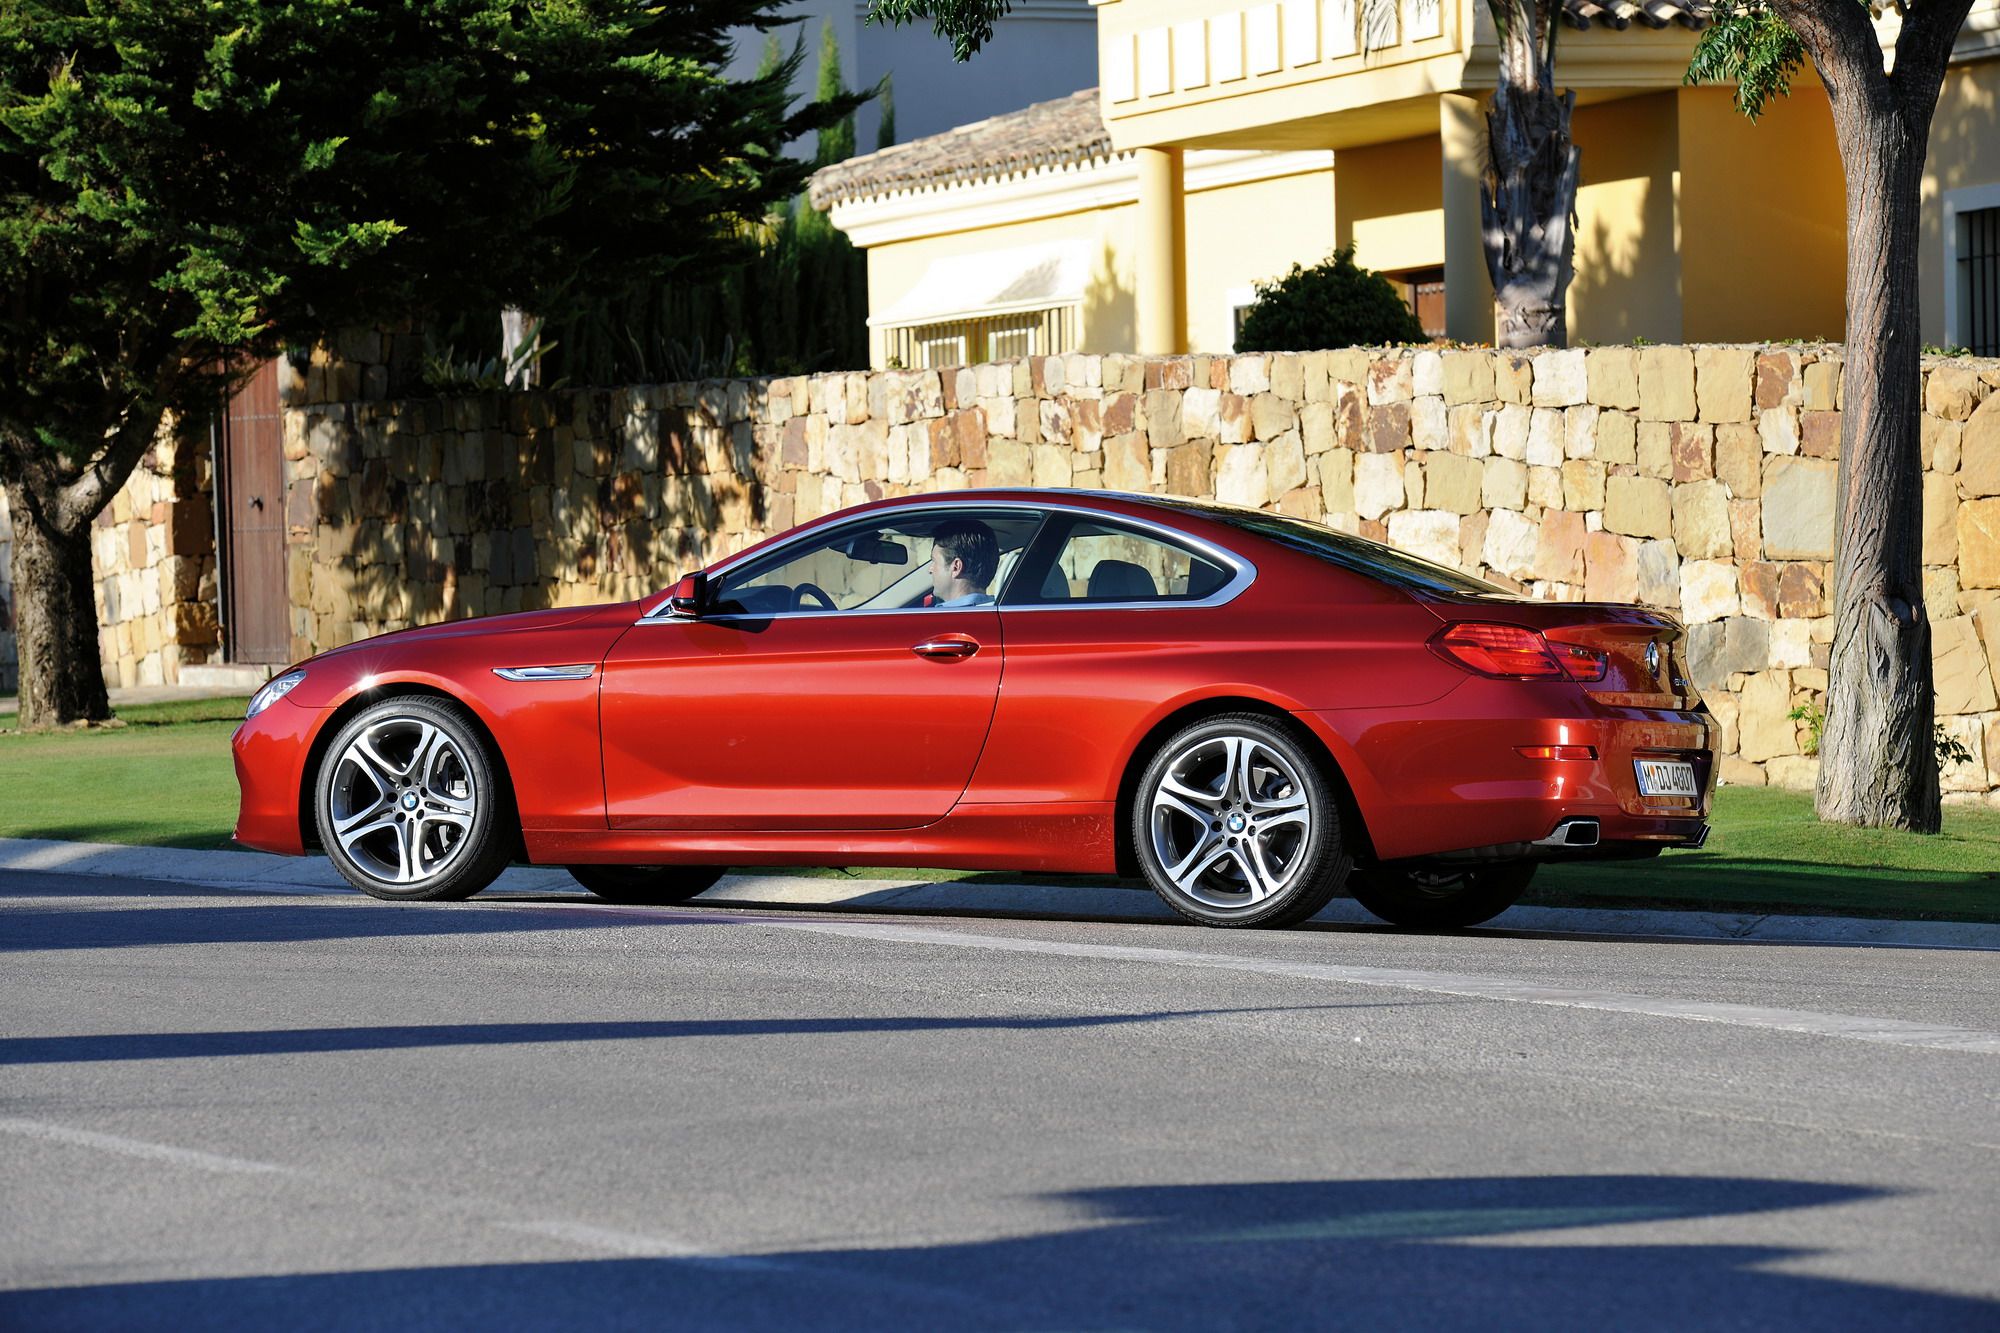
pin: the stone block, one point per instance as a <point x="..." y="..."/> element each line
<point x="1666" y="384"/>
<point x="1709" y="590"/>
<point x="1979" y="543"/>
<point x="1613" y="377"/>
<point x="1617" y="437"/>
<point x="1583" y="484"/>
<point x="1940" y="520"/>
<point x="1791" y="643"/>
<point x="1611" y="572"/>
<point x="1468" y="377"/>
<point x="1739" y="460"/>
<point x="1559" y="548"/>
<point x="1659" y="567"/>
<point x="1940" y="444"/>
<point x="1979" y="452"/>
<point x="1952" y="392"/>
<point x="1545" y="488"/>
<point x="1510" y="431"/>
<point x="1453" y="483"/>
<point x="1701" y="520"/>
<point x="1288" y="379"/>
<point x="1802" y="592"/>
<point x="1378" y="484"/>
<point x="1823" y="386"/>
<point x="1968" y="774"/>
<point x="1503" y="484"/>
<point x="1430" y="533"/>
<point x="1511" y="544"/>
<point x="1389" y="427"/>
<point x="1656" y="450"/>
<point x="1798" y="509"/>
<point x="1128" y="465"/>
<point x="1760" y="588"/>
<point x="1580" y="431"/>
<point x="1777" y="379"/>
<point x="1241" y="475"/>
<point x="1513" y="377"/>
<point x="1249" y="375"/>
<point x="1764" y="727"/>
<point x="1315" y="425"/>
<point x="1390" y="381"/>
<point x="1429" y="428"/>
<point x="1471" y="430"/>
<point x="1693" y="450"/>
<point x="1188" y="469"/>
<point x="1546" y="438"/>
<point x="1336" y="480"/>
<point x="1232" y="419"/>
<point x="1778" y="430"/>
<point x="1792" y="772"/>
<point x="1270" y="416"/>
<point x="1560" y="379"/>
<point x="1162" y="412"/>
<point x="1638" y="507"/>
<point x="1819" y="434"/>
<point x="1054" y="465"/>
<point x="1724" y="379"/>
<point x="1200" y="413"/>
<point x="1735" y="772"/>
<point x="1941" y="593"/>
<point x="1285" y="460"/>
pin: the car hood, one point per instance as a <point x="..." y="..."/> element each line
<point x="483" y="626"/>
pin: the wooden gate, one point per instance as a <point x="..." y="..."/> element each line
<point x="250" y="488"/>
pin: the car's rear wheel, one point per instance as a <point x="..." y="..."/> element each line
<point x="646" y="884"/>
<point x="1441" y="899"/>
<point x="410" y="804"/>
<point x="1234" y="825"/>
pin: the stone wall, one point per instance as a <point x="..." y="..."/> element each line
<point x="1700" y="479"/>
<point x="153" y="549"/>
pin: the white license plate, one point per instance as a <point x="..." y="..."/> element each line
<point x="1666" y="777"/>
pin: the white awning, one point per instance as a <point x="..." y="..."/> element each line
<point x="992" y="282"/>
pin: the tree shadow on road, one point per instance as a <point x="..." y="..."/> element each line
<point x="1422" y="1253"/>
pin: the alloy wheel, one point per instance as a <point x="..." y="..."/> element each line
<point x="1231" y="821"/>
<point x="403" y="800"/>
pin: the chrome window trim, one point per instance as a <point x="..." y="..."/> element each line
<point x="572" y="671"/>
<point x="1242" y="572"/>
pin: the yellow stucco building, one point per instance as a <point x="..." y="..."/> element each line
<point x="1227" y="141"/>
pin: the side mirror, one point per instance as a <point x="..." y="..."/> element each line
<point x="688" y="598"/>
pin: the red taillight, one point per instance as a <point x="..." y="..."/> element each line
<point x="1513" y="652"/>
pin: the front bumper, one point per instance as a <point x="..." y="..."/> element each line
<point x="270" y="752"/>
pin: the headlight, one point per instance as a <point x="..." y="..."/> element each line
<point x="274" y="689"/>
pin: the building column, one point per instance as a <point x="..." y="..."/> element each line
<point x="1468" y="287"/>
<point x="1162" y="275"/>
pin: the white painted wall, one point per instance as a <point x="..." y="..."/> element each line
<point x="1044" y="49"/>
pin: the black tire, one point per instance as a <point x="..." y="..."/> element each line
<point x="1234" y="871"/>
<point x="462" y="821"/>
<point x="646" y="884"/>
<point x="1440" y="899"/>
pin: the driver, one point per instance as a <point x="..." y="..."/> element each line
<point x="964" y="555"/>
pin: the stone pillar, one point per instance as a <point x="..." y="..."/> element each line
<point x="1468" y="288"/>
<point x="1162" y="276"/>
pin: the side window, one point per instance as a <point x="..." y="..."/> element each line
<point x="905" y="561"/>
<point x="1105" y="562"/>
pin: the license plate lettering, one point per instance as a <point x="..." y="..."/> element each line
<point x="1666" y="777"/>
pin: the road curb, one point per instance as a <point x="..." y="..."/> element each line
<point x="259" y="872"/>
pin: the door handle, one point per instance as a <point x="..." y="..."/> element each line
<point x="946" y="648"/>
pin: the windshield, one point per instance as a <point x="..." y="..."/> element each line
<point x="1370" y="559"/>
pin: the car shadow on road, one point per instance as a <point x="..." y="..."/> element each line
<point x="1478" y="1253"/>
<point x="100" y="1047"/>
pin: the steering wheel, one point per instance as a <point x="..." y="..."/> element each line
<point x="813" y="590"/>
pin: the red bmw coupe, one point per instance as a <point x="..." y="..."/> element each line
<point x="1251" y="711"/>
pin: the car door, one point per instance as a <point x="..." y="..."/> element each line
<point x="818" y="692"/>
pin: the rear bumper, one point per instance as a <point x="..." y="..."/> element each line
<point x="1450" y="781"/>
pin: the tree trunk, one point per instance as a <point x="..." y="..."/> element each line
<point x="55" y="619"/>
<point x="1878" y="762"/>
<point x="1529" y="189"/>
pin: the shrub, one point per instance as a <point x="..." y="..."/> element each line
<point x="1332" y="304"/>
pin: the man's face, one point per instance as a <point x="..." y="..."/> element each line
<point x="944" y="569"/>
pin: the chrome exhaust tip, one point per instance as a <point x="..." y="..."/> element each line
<point x="1571" y="833"/>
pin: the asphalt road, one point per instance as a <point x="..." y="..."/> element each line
<point x="234" y="1110"/>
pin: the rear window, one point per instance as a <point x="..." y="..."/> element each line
<point x="1358" y="555"/>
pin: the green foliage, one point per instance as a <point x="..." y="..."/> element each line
<point x="1815" y="719"/>
<point x="1336" y="303"/>
<point x="1950" y="750"/>
<point x="183" y="187"/>
<point x="1753" y="47"/>
<point x="836" y="141"/>
<point x="966" y="24"/>
<point x="444" y="373"/>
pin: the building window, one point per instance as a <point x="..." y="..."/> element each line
<point x="1978" y="280"/>
<point x="1422" y="290"/>
<point x="965" y="342"/>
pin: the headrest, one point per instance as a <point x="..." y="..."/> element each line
<point x="1121" y="578"/>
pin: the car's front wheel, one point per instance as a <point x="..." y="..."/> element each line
<point x="1441" y="899"/>
<point x="1234" y="825"/>
<point x="646" y="884"/>
<point x="410" y="804"/>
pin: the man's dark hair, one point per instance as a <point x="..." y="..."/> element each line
<point x="970" y="540"/>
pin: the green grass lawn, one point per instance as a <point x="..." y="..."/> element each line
<point x="164" y="779"/>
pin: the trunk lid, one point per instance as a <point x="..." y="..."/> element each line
<point x="1644" y="650"/>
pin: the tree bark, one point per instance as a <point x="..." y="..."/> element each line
<point x="55" y="619"/>
<point x="1878" y="762"/>
<point x="1529" y="189"/>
